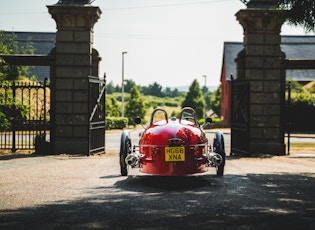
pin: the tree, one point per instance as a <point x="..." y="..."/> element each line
<point x="195" y="99"/>
<point x="208" y="100"/>
<point x="135" y="106"/>
<point x="167" y="92"/>
<point x="204" y="89"/>
<point x="4" y="122"/>
<point x="296" y="12"/>
<point x="299" y="13"/>
<point x="112" y="107"/>
<point x="215" y="101"/>
<point x="128" y="86"/>
<point x="296" y="87"/>
<point x="11" y="110"/>
<point x="9" y="45"/>
<point x="155" y="90"/>
<point x="110" y="88"/>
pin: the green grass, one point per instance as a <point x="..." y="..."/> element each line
<point x="309" y="147"/>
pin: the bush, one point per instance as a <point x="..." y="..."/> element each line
<point x="155" y="104"/>
<point x="301" y="112"/>
<point x="12" y="114"/>
<point x="116" y="122"/>
<point x="4" y="123"/>
<point x="171" y="104"/>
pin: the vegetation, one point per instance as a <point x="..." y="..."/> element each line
<point x="116" y="123"/>
<point x="302" y="104"/>
<point x="305" y="147"/>
<point x="154" y="89"/>
<point x="21" y="101"/>
<point x="215" y="101"/>
<point x="170" y="100"/>
<point x="113" y="108"/>
<point x="195" y="99"/>
<point x="4" y="122"/>
<point x="300" y="112"/>
<point x="11" y="109"/>
<point x="135" y="106"/>
<point x="9" y="45"/>
<point x="299" y="13"/>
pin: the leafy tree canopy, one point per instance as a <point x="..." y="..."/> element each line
<point x="215" y="101"/>
<point x="154" y="89"/>
<point x="9" y="45"/>
<point x="297" y="12"/>
<point x="135" y="106"/>
<point x="195" y="99"/>
<point x="300" y="13"/>
<point x="128" y="85"/>
<point x="113" y="109"/>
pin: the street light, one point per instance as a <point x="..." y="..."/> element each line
<point x="204" y="95"/>
<point x="122" y="85"/>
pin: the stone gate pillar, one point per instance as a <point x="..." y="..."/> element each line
<point x="75" y="59"/>
<point x="261" y="63"/>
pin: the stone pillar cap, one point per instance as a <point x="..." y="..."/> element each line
<point x="74" y="2"/>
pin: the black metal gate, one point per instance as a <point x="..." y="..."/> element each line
<point x="97" y="117"/>
<point x="25" y="114"/>
<point x="240" y="97"/>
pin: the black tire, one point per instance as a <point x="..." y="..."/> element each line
<point x="218" y="146"/>
<point x="125" y="149"/>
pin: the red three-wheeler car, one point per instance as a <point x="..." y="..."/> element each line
<point x="172" y="147"/>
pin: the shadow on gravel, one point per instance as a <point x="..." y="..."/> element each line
<point x="17" y="156"/>
<point x="254" y="201"/>
<point x="165" y="183"/>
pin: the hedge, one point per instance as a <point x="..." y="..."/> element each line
<point x="116" y="122"/>
<point x="301" y="114"/>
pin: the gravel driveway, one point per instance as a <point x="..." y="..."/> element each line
<point x="75" y="192"/>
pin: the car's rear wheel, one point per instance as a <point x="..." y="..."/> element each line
<point x="218" y="145"/>
<point x="125" y="149"/>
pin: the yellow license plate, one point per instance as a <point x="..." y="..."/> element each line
<point x="175" y="153"/>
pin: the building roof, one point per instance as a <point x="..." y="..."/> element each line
<point x="295" y="47"/>
<point x="230" y="52"/>
<point x="42" y="42"/>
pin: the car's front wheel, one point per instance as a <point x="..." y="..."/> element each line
<point x="218" y="146"/>
<point x="125" y="150"/>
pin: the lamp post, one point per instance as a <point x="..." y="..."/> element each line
<point x="204" y="95"/>
<point x="122" y="85"/>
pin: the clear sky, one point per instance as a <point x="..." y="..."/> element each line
<point x="171" y="42"/>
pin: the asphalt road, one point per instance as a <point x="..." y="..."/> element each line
<point x="76" y="192"/>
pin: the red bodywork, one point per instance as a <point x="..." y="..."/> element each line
<point x="173" y="147"/>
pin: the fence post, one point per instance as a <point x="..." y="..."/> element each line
<point x="45" y="128"/>
<point x="288" y="114"/>
<point x="13" y="149"/>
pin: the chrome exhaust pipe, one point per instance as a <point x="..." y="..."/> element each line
<point x="214" y="159"/>
<point x="133" y="160"/>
